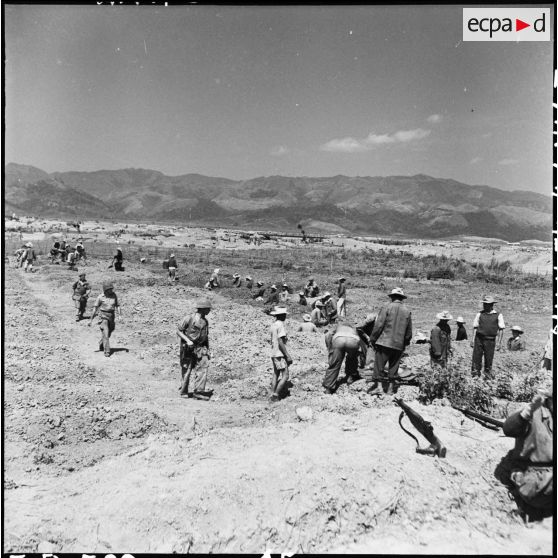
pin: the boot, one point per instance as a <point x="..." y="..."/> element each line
<point x="375" y="389"/>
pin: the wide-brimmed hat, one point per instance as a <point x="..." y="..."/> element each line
<point x="236" y="274"/>
<point x="278" y="311"/>
<point x="398" y="291"/>
<point x="29" y="245"/>
<point x="171" y="256"/>
<point x="326" y="294"/>
<point x="248" y="278"/>
<point x="285" y="286"/>
<point x="259" y="283"/>
<point x="371" y="317"/>
<point x="273" y="288"/>
<point x="319" y="303"/>
<point x="517" y="328"/>
<point x="203" y="303"/>
<point x="306" y="317"/>
<point x="301" y="293"/>
<point x="487" y="300"/>
<point x="216" y="270"/>
<point x="444" y="315"/>
<point x="460" y="320"/>
<point x="107" y="285"/>
<point x="341" y="279"/>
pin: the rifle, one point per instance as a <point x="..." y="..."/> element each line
<point x="424" y="427"/>
<point x="484" y="420"/>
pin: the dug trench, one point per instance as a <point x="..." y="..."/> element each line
<point x="103" y="455"/>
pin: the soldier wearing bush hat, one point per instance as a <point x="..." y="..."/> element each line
<point x="488" y="330"/>
<point x="106" y="306"/>
<point x="516" y="341"/>
<point x="440" y="340"/>
<point x="393" y="331"/>
<point x="81" y="291"/>
<point x="193" y="332"/>
<point x="260" y="292"/>
<point x="249" y="282"/>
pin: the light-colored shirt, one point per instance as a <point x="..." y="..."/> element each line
<point x="277" y="332"/>
<point x="106" y="305"/>
<point x="501" y="324"/>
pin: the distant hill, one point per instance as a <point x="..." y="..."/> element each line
<point x="418" y="205"/>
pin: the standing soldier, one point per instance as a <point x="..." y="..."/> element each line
<point x="391" y="334"/>
<point x="173" y="266"/>
<point x="117" y="260"/>
<point x="546" y="362"/>
<point x="461" y="331"/>
<point x="280" y="357"/>
<point x="487" y="326"/>
<point x="106" y="305"/>
<point x="194" y="351"/>
<point x="343" y="343"/>
<point x="341" y="296"/>
<point x="82" y="290"/>
<point x="516" y="341"/>
<point x="440" y="340"/>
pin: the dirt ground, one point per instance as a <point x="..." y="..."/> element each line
<point x="103" y="455"/>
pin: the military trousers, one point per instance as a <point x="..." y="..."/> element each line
<point x="389" y="356"/>
<point x="483" y="347"/>
<point x="194" y="362"/>
<point x="342" y="348"/>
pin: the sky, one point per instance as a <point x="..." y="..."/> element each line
<point x="248" y="91"/>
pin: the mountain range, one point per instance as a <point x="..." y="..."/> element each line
<point x="419" y="206"/>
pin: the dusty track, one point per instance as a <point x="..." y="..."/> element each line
<point x="102" y="455"/>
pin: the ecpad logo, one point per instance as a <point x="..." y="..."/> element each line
<point x="506" y="24"/>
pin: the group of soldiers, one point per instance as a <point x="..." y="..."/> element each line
<point x="385" y="333"/>
<point x="63" y="252"/>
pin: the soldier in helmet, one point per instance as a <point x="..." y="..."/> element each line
<point x="106" y="306"/>
<point x="82" y="290"/>
<point x="194" y="351"/>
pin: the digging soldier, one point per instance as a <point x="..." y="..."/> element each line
<point x="259" y="294"/>
<point x="318" y="317"/>
<point x="311" y="290"/>
<point x="82" y="290"/>
<point x="440" y="340"/>
<point x="106" y="306"/>
<point x="194" y="351"/>
<point x="364" y="331"/>
<point x="392" y="333"/>
<point x="249" y="282"/>
<point x="516" y="341"/>
<point x="488" y="329"/>
<point x="330" y="308"/>
<point x="272" y="299"/>
<point x="343" y="343"/>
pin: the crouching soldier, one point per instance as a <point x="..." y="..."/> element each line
<point x="516" y="341"/>
<point x="194" y="351"/>
<point x="531" y="460"/>
<point x="82" y="290"/>
<point x="440" y="340"/>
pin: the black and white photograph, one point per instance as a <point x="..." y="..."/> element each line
<point x="278" y="279"/>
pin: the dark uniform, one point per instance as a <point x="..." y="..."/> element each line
<point x="461" y="333"/>
<point x="440" y="344"/>
<point x="81" y="294"/>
